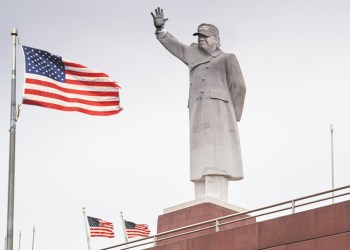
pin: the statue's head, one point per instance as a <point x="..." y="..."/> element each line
<point x="208" y="37"/>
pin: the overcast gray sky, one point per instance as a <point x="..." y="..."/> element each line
<point x="295" y="58"/>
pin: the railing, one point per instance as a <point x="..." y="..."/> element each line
<point x="255" y="213"/>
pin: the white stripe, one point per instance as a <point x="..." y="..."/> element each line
<point x="89" y="79"/>
<point x="68" y="104"/>
<point x="72" y="86"/>
<point x="80" y="69"/>
<point x="87" y="70"/>
<point x="71" y="95"/>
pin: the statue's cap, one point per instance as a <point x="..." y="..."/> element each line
<point x="207" y="30"/>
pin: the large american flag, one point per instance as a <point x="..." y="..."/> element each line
<point x="100" y="228"/>
<point x="54" y="82"/>
<point x="136" y="230"/>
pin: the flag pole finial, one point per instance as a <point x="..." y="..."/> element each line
<point x="14" y="32"/>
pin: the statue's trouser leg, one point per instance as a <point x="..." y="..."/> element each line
<point x="199" y="189"/>
<point x="215" y="186"/>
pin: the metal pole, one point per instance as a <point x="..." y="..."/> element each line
<point x="19" y="241"/>
<point x="86" y="229"/>
<point x="332" y="160"/>
<point x="11" y="181"/>
<point x="33" y="238"/>
<point x="124" y="229"/>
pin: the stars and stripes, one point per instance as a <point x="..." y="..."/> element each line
<point x="136" y="230"/>
<point x="100" y="228"/>
<point x="54" y="82"/>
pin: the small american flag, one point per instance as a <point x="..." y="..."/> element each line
<point x="100" y="228"/>
<point x="54" y="82"/>
<point x="136" y="230"/>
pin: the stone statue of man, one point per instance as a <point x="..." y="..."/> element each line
<point x="216" y="98"/>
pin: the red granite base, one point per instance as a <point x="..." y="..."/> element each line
<point x="323" y="228"/>
<point x="193" y="215"/>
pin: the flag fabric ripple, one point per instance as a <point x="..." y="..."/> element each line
<point x="136" y="230"/>
<point x="54" y="82"/>
<point x="100" y="228"/>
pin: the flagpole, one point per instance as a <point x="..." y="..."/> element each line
<point x="33" y="238"/>
<point x="86" y="230"/>
<point x="11" y="181"/>
<point x="332" y="159"/>
<point x="19" y="241"/>
<point x="124" y="229"/>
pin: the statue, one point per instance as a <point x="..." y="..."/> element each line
<point x="216" y="99"/>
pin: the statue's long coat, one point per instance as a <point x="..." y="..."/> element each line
<point x="216" y="98"/>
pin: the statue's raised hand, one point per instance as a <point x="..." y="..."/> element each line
<point x="158" y="18"/>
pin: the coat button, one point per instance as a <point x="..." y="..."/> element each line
<point x="202" y="91"/>
<point x="203" y="79"/>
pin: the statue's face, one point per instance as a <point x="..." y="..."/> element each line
<point x="207" y="43"/>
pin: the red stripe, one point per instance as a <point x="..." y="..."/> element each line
<point x="99" y="234"/>
<point x="101" y="230"/>
<point x="108" y="224"/>
<point x="72" y="91"/>
<point x="104" y="230"/>
<point x="71" y="100"/>
<point x="59" y="107"/>
<point x="109" y="231"/>
<point x="87" y="74"/>
<point x="137" y="233"/>
<point x="108" y="236"/>
<point x="85" y="83"/>
<point x="72" y="64"/>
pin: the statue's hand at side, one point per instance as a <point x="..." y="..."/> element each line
<point x="158" y="19"/>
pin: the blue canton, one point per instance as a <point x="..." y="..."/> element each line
<point x="43" y="63"/>
<point x="93" y="222"/>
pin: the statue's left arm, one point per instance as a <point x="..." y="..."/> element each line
<point x="236" y="84"/>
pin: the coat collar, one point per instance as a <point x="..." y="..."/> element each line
<point x="200" y="56"/>
<point x="216" y="52"/>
